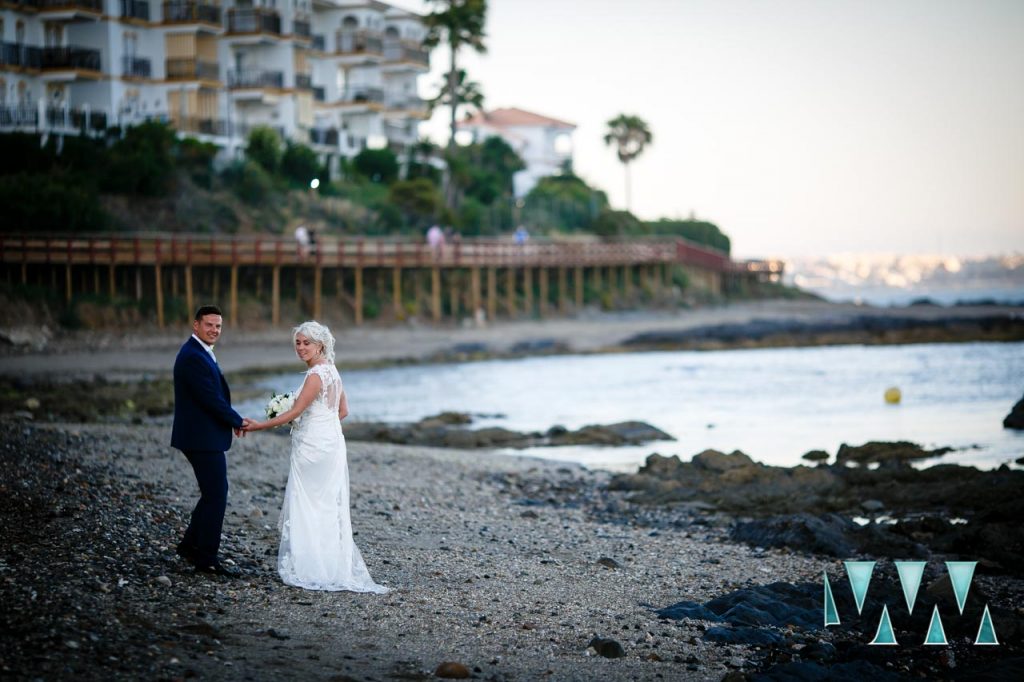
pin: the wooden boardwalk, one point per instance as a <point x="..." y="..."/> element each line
<point x="152" y="257"/>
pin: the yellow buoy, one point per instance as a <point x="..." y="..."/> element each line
<point x="893" y="395"/>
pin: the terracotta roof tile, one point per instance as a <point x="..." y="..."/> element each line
<point x="503" y="118"/>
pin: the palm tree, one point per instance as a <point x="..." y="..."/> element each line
<point x="457" y="23"/>
<point x="630" y="135"/>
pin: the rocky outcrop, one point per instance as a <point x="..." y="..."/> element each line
<point x="1015" y="420"/>
<point x="878" y="452"/>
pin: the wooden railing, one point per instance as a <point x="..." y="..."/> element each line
<point x="206" y="250"/>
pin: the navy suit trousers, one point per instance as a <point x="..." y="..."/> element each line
<point x="203" y="534"/>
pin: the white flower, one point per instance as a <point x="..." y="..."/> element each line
<point x="279" y="404"/>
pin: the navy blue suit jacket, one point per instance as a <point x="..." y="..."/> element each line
<point x="203" y="417"/>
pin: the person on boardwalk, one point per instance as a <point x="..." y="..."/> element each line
<point x="203" y="423"/>
<point x="317" y="550"/>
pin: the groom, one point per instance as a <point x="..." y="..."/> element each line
<point x="203" y="422"/>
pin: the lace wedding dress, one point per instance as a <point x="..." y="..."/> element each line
<point x="317" y="551"/>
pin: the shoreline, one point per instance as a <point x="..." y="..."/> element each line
<point x="511" y="566"/>
<point x="131" y="356"/>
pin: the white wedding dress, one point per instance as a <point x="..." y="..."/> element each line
<point x="317" y="550"/>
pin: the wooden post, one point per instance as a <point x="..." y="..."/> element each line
<point x="595" y="279"/>
<point x="138" y="283"/>
<point x="453" y="293"/>
<point x="189" y="302"/>
<point x="24" y="274"/>
<point x="339" y="286"/>
<point x="492" y="294"/>
<point x="234" y="295"/>
<point x="627" y="281"/>
<point x="435" y="293"/>
<point x="158" y="283"/>
<point x="275" y="295"/>
<point x="318" y="281"/>
<point x="417" y="290"/>
<point x="528" y="291"/>
<point x="359" y="295"/>
<point x="510" y="292"/>
<point x="579" y="286"/>
<point x="396" y="292"/>
<point x="95" y="280"/>
<point x="475" y="297"/>
<point x="563" y="290"/>
<point x="543" y="292"/>
<point x="67" y="282"/>
<point x="215" y="274"/>
<point x="174" y="282"/>
<point x="111" y="281"/>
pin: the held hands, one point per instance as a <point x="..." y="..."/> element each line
<point x="247" y="426"/>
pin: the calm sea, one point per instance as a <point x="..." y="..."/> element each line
<point x="773" y="404"/>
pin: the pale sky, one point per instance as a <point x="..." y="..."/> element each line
<point x="800" y="127"/>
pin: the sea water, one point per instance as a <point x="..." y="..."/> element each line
<point x="773" y="404"/>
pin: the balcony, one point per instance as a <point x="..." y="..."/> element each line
<point x="58" y="5"/>
<point x="358" y="94"/>
<point x="71" y="57"/>
<point x="201" y="126"/>
<point x="410" y="103"/>
<point x="192" y="69"/>
<point x="24" y="56"/>
<point x="135" y="9"/>
<point x="319" y="43"/>
<point x="27" y="116"/>
<point x="324" y="136"/>
<point x="182" y="12"/>
<point x="358" y="42"/>
<point x="24" y="5"/>
<point x="304" y="81"/>
<point x="255" y="78"/>
<point x="19" y="116"/>
<point x="301" y="29"/>
<point x="254" y="21"/>
<point x="399" y="51"/>
<point x="135" y="67"/>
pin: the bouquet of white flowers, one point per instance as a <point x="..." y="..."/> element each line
<point x="279" y="404"/>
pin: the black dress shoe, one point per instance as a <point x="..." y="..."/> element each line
<point x="217" y="568"/>
<point x="187" y="553"/>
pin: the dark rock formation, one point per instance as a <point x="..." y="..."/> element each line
<point x="1015" y="420"/>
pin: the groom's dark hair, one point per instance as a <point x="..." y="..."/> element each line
<point x="207" y="310"/>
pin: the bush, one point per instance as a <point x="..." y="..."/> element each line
<point x="49" y="203"/>
<point x="264" y="148"/>
<point x="376" y="165"/>
<point x="299" y="165"/>
<point x="698" y="231"/>
<point x="140" y="163"/>
<point x="617" y="223"/>
<point x="197" y="159"/>
<point x="417" y="199"/>
<point x="249" y="181"/>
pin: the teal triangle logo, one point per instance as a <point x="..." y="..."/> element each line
<point x="986" y="631"/>
<point x="910" y="579"/>
<point x="859" y="573"/>
<point x="831" y="613"/>
<point x="960" y="574"/>
<point x="936" y="633"/>
<point x="884" y="636"/>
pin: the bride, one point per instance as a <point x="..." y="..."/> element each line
<point x="317" y="551"/>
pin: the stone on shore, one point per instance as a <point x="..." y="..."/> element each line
<point x="1015" y="420"/>
<point x="880" y="452"/>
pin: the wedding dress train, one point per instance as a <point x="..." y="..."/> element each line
<point x="317" y="550"/>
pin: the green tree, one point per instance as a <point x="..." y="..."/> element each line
<point x="563" y="202"/>
<point x="376" y="165"/>
<point x="141" y="162"/>
<point x="417" y="199"/>
<point x="299" y="164"/>
<point x="617" y="223"/>
<point x="699" y="231"/>
<point x="264" y="147"/>
<point x="458" y="24"/>
<point x="630" y="135"/>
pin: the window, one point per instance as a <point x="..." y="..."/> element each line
<point x="350" y="22"/>
<point x="19" y="32"/>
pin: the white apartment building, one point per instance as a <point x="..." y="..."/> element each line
<point x="543" y="143"/>
<point x="338" y="75"/>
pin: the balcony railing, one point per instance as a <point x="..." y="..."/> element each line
<point x="301" y="28"/>
<point x="319" y="42"/>
<point x="135" y="9"/>
<point x="327" y="136"/>
<point x="25" y="56"/>
<point x="202" y="126"/>
<point x="135" y="67"/>
<point x="255" y="78"/>
<point x="395" y="51"/>
<point x="304" y="81"/>
<point x="254" y="21"/>
<point x="360" y="93"/>
<point x="182" y="12"/>
<point x="27" y="116"/>
<point x="19" y="116"/>
<point x="192" y="69"/>
<point x="25" y="4"/>
<point x="319" y="94"/>
<point x="406" y="103"/>
<point x="53" y="5"/>
<point x="71" y="57"/>
<point x="353" y="42"/>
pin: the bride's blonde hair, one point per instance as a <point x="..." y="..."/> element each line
<point x="317" y="333"/>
